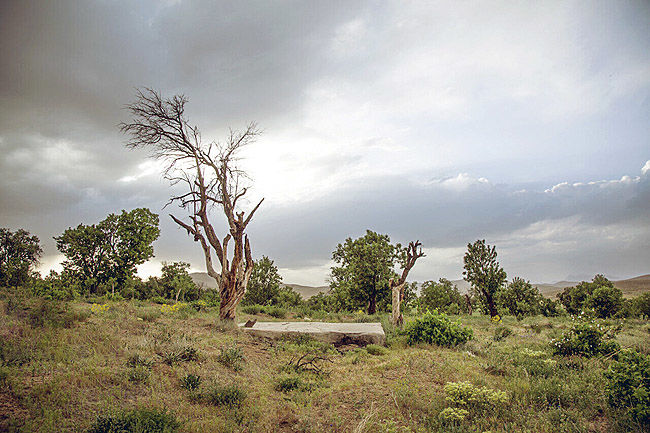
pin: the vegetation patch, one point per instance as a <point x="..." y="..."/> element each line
<point x="228" y="395"/>
<point x="628" y="385"/>
<point x="137" y="421"/>
<point x="232" y="357"/>
<point x="435" y="328"/>
<point x="586" y="339"/>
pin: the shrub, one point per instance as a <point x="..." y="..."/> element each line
<point x="473" y="398"/>
<point x="453" y="414"/>
<point x="139" y="361"/>
<point x="229" y="395"/>
<point x="232" y="357"/>
<point x="251" y="309"/>
<point x="376" y="350"/>
<point x="191" y="382"/>
<point x="136" y="421"/>
<point x="606" y="301"/>
<point x="289" y="383"/>
<point x="628" y="384"/>
<point x="277" y="312"/>
<point x="189" y="354"/>
<point x="585" y="339"/>
<point x="434" y="328"/>
<point x="171" y="358"/>
<point x="501" y="333"/>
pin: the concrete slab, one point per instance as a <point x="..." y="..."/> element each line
<point x="334" y="333"/>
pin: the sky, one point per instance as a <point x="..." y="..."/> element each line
<point x="523" y="123"/>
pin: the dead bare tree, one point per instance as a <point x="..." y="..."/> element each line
<point x="413" y="252"/>
<point x="210" y="174"/>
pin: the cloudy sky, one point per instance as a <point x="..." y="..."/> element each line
<point x="524" y="123"/>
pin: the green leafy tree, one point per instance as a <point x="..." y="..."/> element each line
<point x="19" y="252"/>
<point x="365" y="267"/>
<point x="442" y="296"/>
<point x="606" y="301"/>
<point x="576" y="299"/>
<point x="107" y="253"/>
<point x="519" y="298"/>
<point x="642" y="305"/>
<point x="264" y="284"/>
<point x="177" y="283"/>
<point x="483" y="272"/>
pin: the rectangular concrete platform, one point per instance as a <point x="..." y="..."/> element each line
<point x="335" y="333"/>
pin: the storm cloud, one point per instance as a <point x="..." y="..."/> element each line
<point x="525" y="124"/>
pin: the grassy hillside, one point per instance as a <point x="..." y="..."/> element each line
<point x="58" y="375"/>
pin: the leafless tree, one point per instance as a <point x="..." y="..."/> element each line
<point x="413" y="252"/>
<point x="211" y="178"/>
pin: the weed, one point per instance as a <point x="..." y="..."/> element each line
<point x="375" y="349"/>
<point x="191" y="382"/>
<point x="139" y="374"/>
<point x="229" y="395"/>
<point x="139" y="361"/>
<point x="232" y="357"/>
<point x="148" y="315"/>
<point x="501" y="333"/>
<point x="137" y="421"/>
<point x="289" y="383"/>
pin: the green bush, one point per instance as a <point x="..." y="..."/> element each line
<point x="435" y="328"/>
<point x="289" y="383"/>
<point x="232" y="357"/>
<point x="585" y="339"/>
<point x="277" y="312"/>
<point x="473" y="398"/>
<point x="229" y="395"/>
<point x="137" y="421"/>
<point x="251" y="309"/>
<point x="628" y="384"/>
<point x="191" y="382"/>
<point x="606" y="301"/>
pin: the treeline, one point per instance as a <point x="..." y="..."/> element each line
<point x="101" y="261"/>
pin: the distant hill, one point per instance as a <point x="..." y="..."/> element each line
<point x="630" y="287"/>
<point x="202" y="279"/>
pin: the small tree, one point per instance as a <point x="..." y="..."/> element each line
<point x="19" y="252"/>
<point x="483" y="272"/>
<point x="365" y="268"/>
<point x="605" y="301"/>
<point x="108" y="252"/>
<point x="397" y="285"/>
<point x="210" y="176"/>
<point x="519" y="298"/>
<point x="264" y="285"/>
<point x="177" y="281"/>
<point x="575" y="299"/>
<point x="442" y="296"/>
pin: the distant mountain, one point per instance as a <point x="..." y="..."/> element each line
<point x="202" y="279"/>
<point x="308" y="291"/>
<point x="631" y="287"/>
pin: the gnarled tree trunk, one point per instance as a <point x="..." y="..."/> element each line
<point x="210" y="174"/>
<point x="413" y="253"/>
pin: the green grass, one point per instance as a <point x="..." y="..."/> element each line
<point x="59" y="375"/>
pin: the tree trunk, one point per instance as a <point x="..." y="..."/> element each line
<point x="469" y="304"/>
<point x="491" y="307"/>
<point x="398" y="294"/>
<point x="372" y="304"/>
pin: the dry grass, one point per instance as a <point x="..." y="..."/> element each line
<point x="61" y="378"/>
